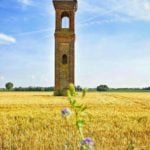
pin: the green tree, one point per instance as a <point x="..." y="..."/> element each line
<point x="9" y="85"/>
<point x="102" y="88"/>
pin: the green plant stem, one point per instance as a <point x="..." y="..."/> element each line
<point x="81" y="133"/>
<point x="79" y="128"/>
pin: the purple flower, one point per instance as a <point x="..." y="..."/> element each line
<point x="65" y="112"/>
<point x="87" y="143"/>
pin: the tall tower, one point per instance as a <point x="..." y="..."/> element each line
<point x="64" y="44"/>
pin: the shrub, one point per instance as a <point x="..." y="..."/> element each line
<point x="102" y="88"/>
<point x="9" y="85"/>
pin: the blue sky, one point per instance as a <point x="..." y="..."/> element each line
<point x="112" y="43"/>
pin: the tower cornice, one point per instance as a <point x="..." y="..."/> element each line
<point x="65" y="4"/>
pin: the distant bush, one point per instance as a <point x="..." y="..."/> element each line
<point x="9" y="85"/>
<point x="78" y="88"/>
<point x="147" y="88"/>
<point x="102" y="88"/>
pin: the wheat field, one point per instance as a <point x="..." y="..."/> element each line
<point x="32" y="121"/>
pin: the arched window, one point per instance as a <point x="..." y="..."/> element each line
<point x="64" y="59"/>
<point x="65" y="20"/>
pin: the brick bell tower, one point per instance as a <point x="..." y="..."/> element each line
<point x="64" y="44"/>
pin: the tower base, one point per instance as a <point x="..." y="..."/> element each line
<point x="60" y="92"/>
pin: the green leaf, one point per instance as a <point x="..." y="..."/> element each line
<point x="72" y="90"/>
<point x="68" y="94"/>
<point x="80" y="123"/>
<point x="74" y="102"/>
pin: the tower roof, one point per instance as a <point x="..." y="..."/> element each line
<point x="73" y="2"/>
<point x="66" y="0"/>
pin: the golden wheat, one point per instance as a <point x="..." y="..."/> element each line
<point x="32" y="121"/>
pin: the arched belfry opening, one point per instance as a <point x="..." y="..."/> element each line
<point x="65" y="20"/>
<point x="64" y="44"/>
<point x="65" y="23"/>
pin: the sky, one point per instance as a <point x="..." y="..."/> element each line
<point x="112" y="43"/>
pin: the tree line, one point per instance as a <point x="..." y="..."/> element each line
<point x="9" y="86"/>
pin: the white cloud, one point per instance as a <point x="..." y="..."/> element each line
<point x="131" y="10"/>
<point x="147" y="5"/>
<point x="136" y="9"/>
<point x="25" y="2"/>
<point x="6" y="39"/>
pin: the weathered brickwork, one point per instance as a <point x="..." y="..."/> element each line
<point x="64" y="45"/>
